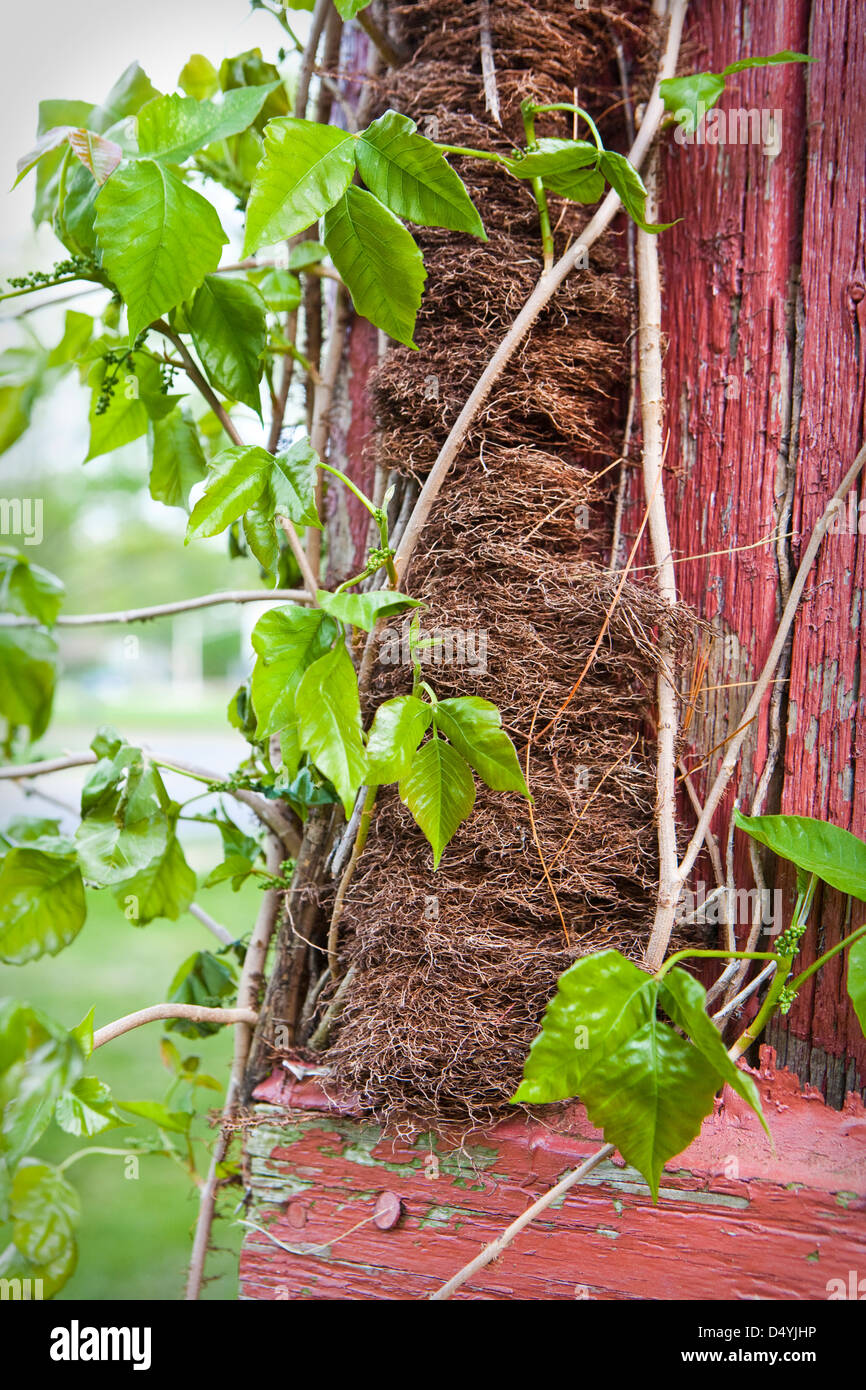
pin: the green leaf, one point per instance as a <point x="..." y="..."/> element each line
<point x="28" y="669"/>
<point x="198" y="77"/>
<point x="178" y="239"/>
<point x="38" y="1061"/>
<point x="77" y="332"/>
<point x="439" y="791"/>
<point x="815" y="846"/>
<point x="584" y="186"/>
<point x="42" y="906"/>
<point x="625" y="180"/>
<point x="229" y="329"/>
<point x="287" y="641"/>
<point x="280" y="290"/>
<point x="647" y="1088"/>
<point x="163" y="888"/>
<point x="177" y="1121"/>
<point x="379" y="261"/>
<point x="364" y="610"/>
<point x="130" y="92"/>
<point x="398" y="727"/>
<point x="46" y="1280"/>
<point x="236" y="479"/>
<point x="554" y="158"/>
<point x="27" y="589"/>
<point x="204" y="980"/>
<point x="305" y="254"/>
<point x="689" y="98"/>
<point x="294" y="483"/>
<point x="87" y="1108"/>
<point x="83" y="1032"/>
<point x="857" y="979"/>
<point x="305" y="169"/>
<point x="178" y="461"/>
<point x="329" y="722"/>
<point x="785" y="56"/>
<point x="347" y="9"/>
<point x="124" y="823"/>
<point x="136" y="383"/>
<point x="45" y="1211"/>
<point x="412" y="177"/>
<point x="236" y="867"/>
<point x="171" y="128"/>
<point x="99" y="156"/>
<point x="685" y="1000"/>
<point x="474" y="726"/>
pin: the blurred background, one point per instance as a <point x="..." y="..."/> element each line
<point x="164" y="684"/>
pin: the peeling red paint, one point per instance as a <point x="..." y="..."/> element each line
<point x="735" y="1220"/>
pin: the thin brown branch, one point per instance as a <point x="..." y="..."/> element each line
<point x="496" y="1247"/>
<point x="197" y="1013"/>
<point x="248" y="998"/>
<point x="165" y="610"/>
<point x="191" y="368"/>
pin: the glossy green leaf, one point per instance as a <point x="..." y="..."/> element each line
<point x="172" y="128"/>
<point x="785" y="56"/>
<point x="236" y="479"/>
<point x="178" y="460"/>
<point x="439" y="791"/>
<point x="646" y="1087"/>
<point x="305" y="254"/>
<point x="347" y="9"/>
<point x="124" y="823"/>
<point x="45" y="1211"/>
<point x="294" y="483"/>
<point x="178" y="239"/>
<point x="27" y="589"/>
<point x="163" y="888"/>
<point x="379" y="261"/>
<point x="305" y="169"/>
<point x="228" y="326"/>
<point x="554" y="158"/>
<point x="329" y="722"/>
<point x="689" y="98"/>
<point x="625" y="180"/>
<point x="286" y="641"/>
<point x="87" y="1108"/>
<point x="44" y="1281"/>
<point x="130" y="92"/>
<point x="474" y="726"/>
<point x="77" y="332"/>
<point x="398" y="727"/>
<point x="42" y="906"/>
<point x="684" y="999"/>
<point x="856" y="979"/>
<point x="28" y="670"/>
<point x="280" y="289"/>
<point x="365" y="609"/>
<point x="815" y="846"/>
<point x="412" y="177"/>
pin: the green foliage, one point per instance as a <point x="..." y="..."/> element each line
<point x="833" y="854"/>
<point x="41" y="903"/>
<point x="412" y="177"/>
<point x="286" y="642"/>
<point x="228" y="326"/>
<point x="689" y="98"/>
<point x="28" y="670"/>
<point x="439" y="791"/>
<point x="177" y="458"/>
<point x="643" y="1084"/>
<point x="474" y="726"/>
<point x="378" y="260"/>
<point x="178" y="239"/>
<point x="27" y="589"/>
<point x="329" y="722"/>
<point x="365" y="609"/>
<point x="857" y="979"/>
<point x="305" y="170"/>
<point x="205" y="980"/>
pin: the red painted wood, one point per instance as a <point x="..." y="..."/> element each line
<point x="734" y="1219"/>
<point x="770" y="249"/>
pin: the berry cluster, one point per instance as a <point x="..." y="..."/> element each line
<point x="38" y="279"/>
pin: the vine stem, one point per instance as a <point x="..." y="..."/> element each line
<point x="249" y="986"/>
<point x="164" y="610"/>
<point x="197" y="1013"/>
<point x="321" y="422"/>
<point x="348" y="872"/>
<point x="663" y="925"/>
<point x="502" y="1242"/>
<point x="191" y="368"/>
<point x="652" y="420"/>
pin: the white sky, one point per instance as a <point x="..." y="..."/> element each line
<point x="78" y="48"/>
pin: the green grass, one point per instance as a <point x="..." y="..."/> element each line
<point x="135" y="1233"/>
